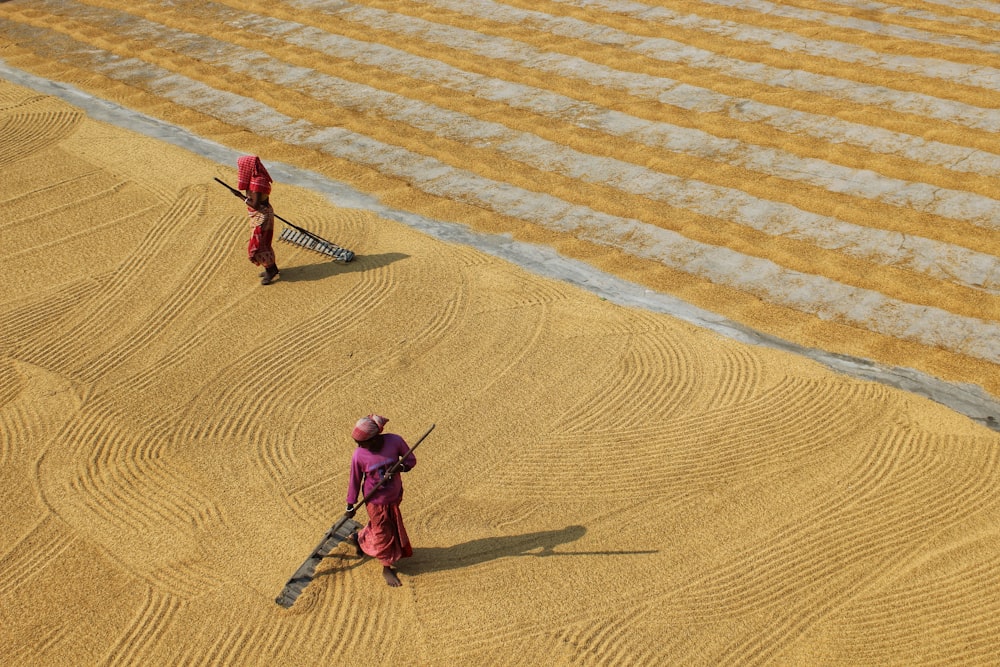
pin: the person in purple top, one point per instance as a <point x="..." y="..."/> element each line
<point x="384" y="538"/>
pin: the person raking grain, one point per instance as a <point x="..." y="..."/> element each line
<point x="384" y="538"/>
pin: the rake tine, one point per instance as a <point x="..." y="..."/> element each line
<point x="309" y="241"/>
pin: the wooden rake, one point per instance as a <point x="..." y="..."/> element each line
<point x="302" y="237"/>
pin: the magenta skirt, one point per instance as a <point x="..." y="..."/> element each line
<point x="385" y="535"/>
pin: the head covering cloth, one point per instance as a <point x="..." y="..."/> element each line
<point x="368" y="427"/>
<point x="253" y="175"/>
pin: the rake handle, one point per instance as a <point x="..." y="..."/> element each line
<point x="344" y="518"/>
<point x="392" y="471"/>
<point x="235" y="192"/>
<point x="239" y="195"/>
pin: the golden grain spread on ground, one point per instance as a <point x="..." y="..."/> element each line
<point x="605" y="484"/>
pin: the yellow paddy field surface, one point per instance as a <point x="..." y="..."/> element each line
<point x="702" y="298"/>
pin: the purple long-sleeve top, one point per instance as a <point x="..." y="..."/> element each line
<point x="372" y="466"/>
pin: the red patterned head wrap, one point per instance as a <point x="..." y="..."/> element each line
<point x="253" y="175"/>
<point x="368" y="427"/>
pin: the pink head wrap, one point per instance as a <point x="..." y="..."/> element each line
<point x="368" y="427"/>
<point x="253" y="175"/>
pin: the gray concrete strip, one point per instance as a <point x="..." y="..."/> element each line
<point x="694" y="98"/>
<point x="851" y="23"/>
<point x="807" y="293"/>
<point x="966" y="399"/>
<point x="672" y="137"/>
<point x="668" y="50"/>
<point x="983" y="5"/>
<point x="910" y="12"/>
<point x="935" y="259"/>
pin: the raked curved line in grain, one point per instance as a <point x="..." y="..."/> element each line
<point x="737" y="378"/>
<point x="598" y="640"/>
<point x="762" y="579"/>
<point x="809" y="562"/>
<point x="26" y="132"/>
<point x="823" y="564"/>
<point x="85" y="319"/>
<point x="611" y="641"/>
<point x="63" y="186"/>
<point x="44" y="311"/>
<point x="147" y="629"/>
<point x="277" y="454"/>
<point x="185" y="579"/>
<point x="320" y="501"/>
<point x="854" y="304"/>
<point x="20" y="424"/>
<point x="359" y="629"/>
<point x="788" y="422"/>
<point x="520" y="292"/>
<point x="959" y="616"/>
<point x="456" y="645"/>
<point x="125" y="480"/>
<point x="959" y="612"/>
<point x="420" y="336"/>
<point x="504" y="355"/>
<point x="175" y="296"/>
<point x="237" y="644"/>
<point x="331" y="602"/>
<point x="47" y="637"/>
<point x="11" y="382"/>
<point x="58" y="215"/>
<point x="33" y="552"/>
<point x="868" y="482"/>
<point x="10" y="99"/>
<point x="25" y="423"/>
<point x="288" y="349"/>
<point x="295" y="342"/>
<point x="228" y="237"/>
<point x="659" y="375"/>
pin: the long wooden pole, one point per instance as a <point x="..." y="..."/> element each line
<point x="367" y="496"/>
<point x="392" y="471"/>
<point x="319" y="239"/>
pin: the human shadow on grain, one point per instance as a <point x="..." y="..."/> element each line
<point x="474" y="552"/>
<point x="322" y="270"/>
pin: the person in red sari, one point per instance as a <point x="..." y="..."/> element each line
<point x="384" y="538"/>
<point x="254" y="179"/>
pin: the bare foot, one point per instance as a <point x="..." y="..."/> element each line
<point x="390" y="576"/>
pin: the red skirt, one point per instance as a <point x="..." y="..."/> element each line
<point x="259" y="249"/>
<point x="385" y="535"/>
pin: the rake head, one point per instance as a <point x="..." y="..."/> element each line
<point x="303" y="576"/>
<point x="309" y="242"/>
